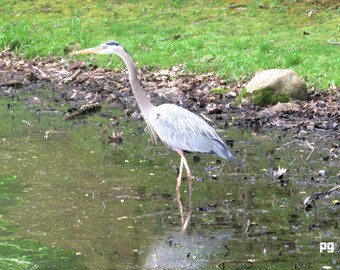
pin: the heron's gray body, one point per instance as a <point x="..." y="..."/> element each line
<point x="181" y="129"/>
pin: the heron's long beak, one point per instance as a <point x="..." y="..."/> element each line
<point x="94" y="50"/>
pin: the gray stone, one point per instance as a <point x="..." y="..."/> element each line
<point x="276" y="85"/>
<point x="284" y="107"/>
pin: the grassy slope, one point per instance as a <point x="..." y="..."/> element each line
<point x="205" y="36"/>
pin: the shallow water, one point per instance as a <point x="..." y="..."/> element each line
<point x="92" y="205"/>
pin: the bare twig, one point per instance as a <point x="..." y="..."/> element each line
<point x="289" y="143"/>
<point x="207" y="118"/>
<point x="42" y="73"/>
<point x="333" y="42"/>
<point x="249" y="261"/>
<point x="317" y="196"/>
<point x="293" y="161"/>
<point x="15" y="83"/>
<point x="310" y="154"/>
<point x="311" y="147"/>
<point x="206" y="95"/>
<point x="73" y="76"/>
<point x="26" y="122"/>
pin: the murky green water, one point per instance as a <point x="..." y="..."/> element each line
<point x="70" y="200"/>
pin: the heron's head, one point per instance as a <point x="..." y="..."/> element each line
<point x="108" y="47"/>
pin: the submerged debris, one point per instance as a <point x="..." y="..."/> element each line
<point x="248" y="262"/>
<point x="277" y="174"/>
<point x="51" y="130"/>
<point x="85" y="109"/>
<point x="307" y="203"/>
<point x="322" y="173"/>
<point x="249" y="226"/>
<point x="207" y="208"/>
<point x="116" y="138"/>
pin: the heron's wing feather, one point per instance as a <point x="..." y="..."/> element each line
<point x="182" y="129"/>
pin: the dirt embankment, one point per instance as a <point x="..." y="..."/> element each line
<point x="208" y="94"/>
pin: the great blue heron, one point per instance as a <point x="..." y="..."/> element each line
<point x="178" y="128"/>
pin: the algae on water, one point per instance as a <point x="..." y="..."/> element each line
<point x="19" y="253"/>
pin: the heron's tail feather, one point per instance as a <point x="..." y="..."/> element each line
<point x="222" y="150"/>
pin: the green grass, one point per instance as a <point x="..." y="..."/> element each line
<point x="237" y="42"/>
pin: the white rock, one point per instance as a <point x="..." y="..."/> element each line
<point x="278" y="82"/>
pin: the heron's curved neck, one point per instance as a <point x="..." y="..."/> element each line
<point x="142" y="100"/>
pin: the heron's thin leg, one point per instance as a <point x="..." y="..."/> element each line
<point x="186" y="222"/>
<point x="185" y="163"/>
<point x="179" y="178"/>
<point x="180" y="206"/>
<point x="190" y="180"/>
<point x="187" y="169"/>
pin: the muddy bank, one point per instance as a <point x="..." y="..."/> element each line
<point x="80" y="83"/>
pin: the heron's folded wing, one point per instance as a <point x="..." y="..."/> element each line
<point x="182" y="129"/>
